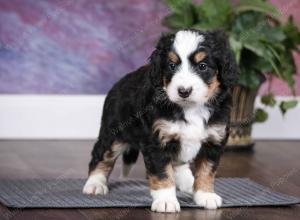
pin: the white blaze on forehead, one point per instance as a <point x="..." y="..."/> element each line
<point x="187" y="42"/>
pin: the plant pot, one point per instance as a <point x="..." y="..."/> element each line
<point x="241" y="118"/>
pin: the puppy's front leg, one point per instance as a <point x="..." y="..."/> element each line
<point x="162" y="183"/>
<point x="163" y="191"/>
<point x="205" y="171"/>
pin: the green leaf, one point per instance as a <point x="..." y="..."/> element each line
<point x="286" y="105"/>
<point x="174" y="22"/>
<point x="292" y="33"/>
<point x="183" y="16"/>
<point x="256" y="47"/>
<point x="272" y="34"/>
<point x="262" y="65"/>
<point x="236" y="47"/>
<point x="213" y="8"/>
<point x="258" y="6"/>
<point x="268" y="100"/>
<point x="216" y="12"/>
<point x="177" y="5"/>
<point x="287" y="68"/>
<point x="246" y="22"/>
<point x="249" y="78"/>
<point x="259" y="37"/>
<point x="261" y="115"/>
<point x="203" y="27"/>
<point x="274" y="66"/>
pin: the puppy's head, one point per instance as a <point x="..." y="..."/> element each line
<point x="192" y="66"/>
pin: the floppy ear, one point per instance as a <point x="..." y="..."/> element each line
<point x="155" y="68"/>
<point x="157" y="56"/>
<point x="227" y="66"/>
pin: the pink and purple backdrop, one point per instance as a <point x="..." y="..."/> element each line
<point x="84" y="46"/>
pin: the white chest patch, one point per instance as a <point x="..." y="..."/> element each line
<point x="193" y="132"/>
<point x="190" y="133"/>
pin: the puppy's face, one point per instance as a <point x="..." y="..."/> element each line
<point x="189" y="73"/>
<point x="190" y="67"/>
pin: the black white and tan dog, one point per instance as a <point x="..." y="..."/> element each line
<point x="174" y="110"/>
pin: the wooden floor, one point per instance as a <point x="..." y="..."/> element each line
<point x="274" y="164"/>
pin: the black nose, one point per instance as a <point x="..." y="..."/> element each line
<point x="184" y="92"/>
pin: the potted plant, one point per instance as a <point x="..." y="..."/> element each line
<point x="263" y="46"/>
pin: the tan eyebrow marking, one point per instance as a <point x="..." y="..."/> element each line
<point x="173" y="57"/>
<point x="199" y="56"/>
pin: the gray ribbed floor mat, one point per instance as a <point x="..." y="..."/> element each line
<point x="66" y="193"/>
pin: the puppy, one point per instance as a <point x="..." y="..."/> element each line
<point x="174" y="110"/>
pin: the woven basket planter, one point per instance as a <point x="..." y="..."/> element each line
<point x="242" y="118"/>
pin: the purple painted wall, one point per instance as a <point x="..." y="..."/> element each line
<point x="82" y="46"/>
<point x="74" y="46"/>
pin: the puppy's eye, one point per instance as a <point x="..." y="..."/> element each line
<point x="172" y="66"/>
<point x="202" y="66"/>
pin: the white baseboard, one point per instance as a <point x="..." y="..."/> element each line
<point x="50" y="117"/>
<point x="78" y="117"/>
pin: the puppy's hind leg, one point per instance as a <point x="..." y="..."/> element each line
<point x="103" y="159"/>
<point x="130" y="156"/>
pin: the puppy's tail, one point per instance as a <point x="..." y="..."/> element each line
<point x="130" y="156"/>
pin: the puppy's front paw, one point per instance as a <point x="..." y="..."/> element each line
<point x="207" y="200"/>
<point x="164" y="200"/>
<point x="166" y="205"/>
<point x="95" y="185"/>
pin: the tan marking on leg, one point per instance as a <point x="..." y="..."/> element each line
<point x="199" y="56"/>
<point x="109" y="158"/>
<point x="204" y="176"/>
<point x="156" y="183"/>
<point x="165" y="133"/>
<point x="173" y="57"/>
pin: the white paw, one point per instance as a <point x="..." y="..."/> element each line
<point x="164" y="200"/>
<point x="207" y="200"/>
<point x="184" y="178"/>
<point x="95" y="185"/>
<point x="166" y="205"/>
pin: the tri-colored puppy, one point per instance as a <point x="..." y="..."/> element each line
<point x="175" y="110"/>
